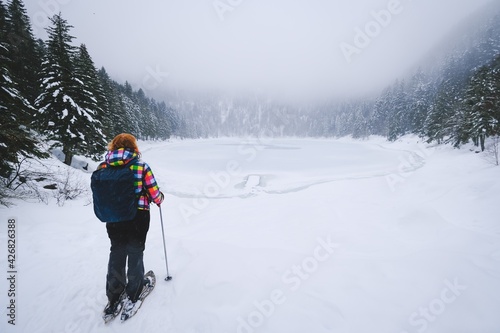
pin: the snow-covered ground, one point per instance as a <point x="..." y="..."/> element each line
<point x="280" y="235"/>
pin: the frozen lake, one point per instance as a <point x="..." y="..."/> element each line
<point x="228" y="168"/>
<point x="284" y="235"/>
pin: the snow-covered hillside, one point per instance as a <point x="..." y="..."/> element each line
<point x="280" y="235"/>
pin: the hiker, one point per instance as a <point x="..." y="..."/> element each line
<point x="128" y="237"/>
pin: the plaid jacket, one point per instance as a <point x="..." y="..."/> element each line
<point x="145" y="182"/>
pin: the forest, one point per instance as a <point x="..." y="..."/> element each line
<point x="52" y="94"/>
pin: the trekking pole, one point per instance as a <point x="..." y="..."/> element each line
<point x="168" y="278"/>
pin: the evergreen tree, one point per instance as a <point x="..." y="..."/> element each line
<point x="15" y="140"/>
<point x="381" y="115"/>
<point x="171" y="121"/>
<point x="130" y="115"/>
<point x="90" y="96"/>
<point x="433" y="124"/>
<point x="60" y="117"/>
<point x="442" y="123"/>
<point x="419" y="95"/>
<point x="398" y="124"/>
<point x="27" y="65"/>
<point x="360" y="126"/>
<point x="127" y="90"/>
<point x="145" y="118"/>
<point x="113" y="109"/>
<point x="482" y="115"/>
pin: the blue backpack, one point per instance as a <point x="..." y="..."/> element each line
<point x="113" y="192"/>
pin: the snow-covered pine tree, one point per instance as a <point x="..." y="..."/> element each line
<point x="90" y="96"/>
<point x="15" y="140"/>
<point x="482" y="117"/>
<point x="419" y="97"/>
<point x="167" y="124"/>
<point x="26" y="68"/>
<point x="161" y="115"/>
<point x="60" y="117"/>
<point x="113" y="121"/>
<point x="360" y="125"/>
<point x="441" y="113"/>
<point x="444" y="117"/>
<point x="398" y="121"/>
<point x="171" y="123"/>
<point x="381" y="116"/>
<point x="147" y="122"/>
<point x="162" y="128"/>
<point x="495" y="77"/>
<point x="130" y="112"/>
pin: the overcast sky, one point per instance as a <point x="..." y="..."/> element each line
<point x="294" y="48"/>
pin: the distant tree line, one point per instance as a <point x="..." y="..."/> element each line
<point x="456" y="102"/>
<point x="52" y="93"/>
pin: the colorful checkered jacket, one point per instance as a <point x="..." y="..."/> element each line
<point x="145" y="183"/>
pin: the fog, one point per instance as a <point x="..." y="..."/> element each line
<point x="283" y="48"/>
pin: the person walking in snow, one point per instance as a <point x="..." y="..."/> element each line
<point x="128" y="238"/>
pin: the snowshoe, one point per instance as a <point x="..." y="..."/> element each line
<point x="130" y="308"/>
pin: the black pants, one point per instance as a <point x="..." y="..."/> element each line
<point x="127" y="242"/>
